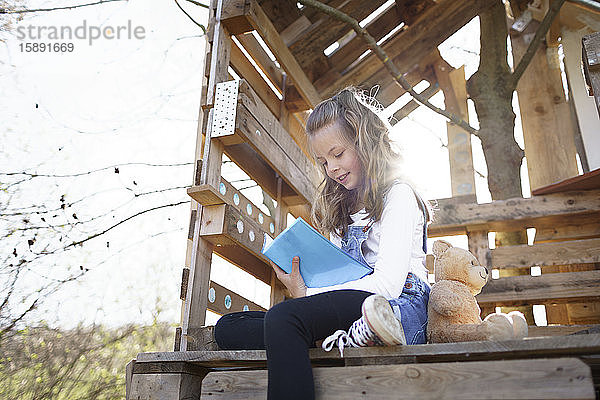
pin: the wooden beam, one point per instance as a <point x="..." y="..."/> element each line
<point x="288" y="142"/>
<point x="341" y="58"/>
<point x="165" y="385"/>
<point x="479" y="245"/>
<point x="587" y="181"/>
<point x="245" y="260"/>
<point x="295" y="30"/>
<point x="283" y="13"/>
<point x="390" y="90"/>
<point x="554" y="253"/>
<point x="194" y="206"/>
<point x="520" y="379"/>
<point x="591" y="65"/>
<point x="252" y="164"/>
<point x="547" y="126"/>
<point x="194" y="310"/>
<point x="245" y="15"/>
<point x="224" y="225"/>
<point x="572" y="313"/>
<point x="576" y="228"/>
<point x="207" y="340"/>
<point x="246" y="71"/>
<point x="411" y="10"/>
<point x="544" y="289"/>
<point x="222" y="301"/>
<point x="294" y="102"/>
<point x="278" y="289"/>
<point x="513" y="214"/>
<point x="544" y="347"/>
<point x="207" y="195"/>
<point x="328" y="30"/>
<point x="462" y="174"/>
<point x="203" y="339"/>
<point x="548" y="130"/>
<point x="264" y="141"/>
<point x="588" y="119"/>
<point x="558" y="330"/>
<point x="262" y="59"/>
<point x="412" y="105"/>
<point x="435" y="25"/>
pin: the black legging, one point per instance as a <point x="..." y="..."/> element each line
<point x="288" y="329"/>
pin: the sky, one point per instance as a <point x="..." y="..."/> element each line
<point x="134" y="102"/>
<point x="106" y="103"/>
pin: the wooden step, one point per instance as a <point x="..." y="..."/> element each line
<point x="557" y="346"/>
<point x="552" y="288"/>
<point x="207" y="342"/>
<point x="562" y="330"/>
<point x="235" y="233"/>
<point x="557" y="378"/>
<point x="207" y="195"/>
<point x="175" y="375"/>
<point x="553" y="253"/>
<point x="546" y="211"/>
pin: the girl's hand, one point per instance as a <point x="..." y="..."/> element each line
<point x="292" y="281"/>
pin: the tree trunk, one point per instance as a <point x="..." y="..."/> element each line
<point x="490" y="88"/>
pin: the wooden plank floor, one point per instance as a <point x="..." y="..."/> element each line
<point x="468" y="367"/>
<point x="557" y="346"/>
<point x="558" y="378"/>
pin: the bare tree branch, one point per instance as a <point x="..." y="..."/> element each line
<point x="34" y="175"/>
<point x="94" y="218"/>
<point x="391" y="67"/>
<point x="79" y="242"/>
<point x="15" y="320"/>
<point x="190" y="17"/>
<point x="56" y="8"/>
<point x="198" y="4"/>
<point x="540" y="34"/>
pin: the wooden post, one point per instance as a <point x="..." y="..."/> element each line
<point x="547" y="127"/>
<point x="277" y="288"/>
<point x="194" y="206"/>
<point x="479" y="246"/>
<point x="591" y="64"/>
<point x="588" y="312"/>
<point x="587" y="115"/>
<point x="199" y="276"/>
<point x="452" y="82"/>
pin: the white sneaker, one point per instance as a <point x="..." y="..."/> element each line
<point x="378" y="326"/>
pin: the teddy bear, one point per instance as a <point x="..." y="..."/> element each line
<point x="453" y="310"/>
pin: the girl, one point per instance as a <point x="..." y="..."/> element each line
<point x="376" y="219"/>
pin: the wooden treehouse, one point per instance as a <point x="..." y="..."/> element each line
<point x="253" y="111"/>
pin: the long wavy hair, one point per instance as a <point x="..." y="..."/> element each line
<point x="363" y="128"/>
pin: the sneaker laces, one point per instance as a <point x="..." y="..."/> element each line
<point x="359" y="335"/>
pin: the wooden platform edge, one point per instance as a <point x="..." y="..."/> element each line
<point x="552" y="346"/>
<point x="557" y="378"/>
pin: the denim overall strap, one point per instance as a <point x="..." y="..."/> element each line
<point x="423" y="208"/>
<point x="353" y="240"/>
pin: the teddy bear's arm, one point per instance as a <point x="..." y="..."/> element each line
<point x="444" y="300"/>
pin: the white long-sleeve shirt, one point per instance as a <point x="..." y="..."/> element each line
<point x="393" y="248"/>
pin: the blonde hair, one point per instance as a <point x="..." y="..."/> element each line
<point x="369" y="134"/>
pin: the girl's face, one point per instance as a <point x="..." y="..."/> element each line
<point x="337" y="156"/>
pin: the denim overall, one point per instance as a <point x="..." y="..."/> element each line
<point x="411" y="306"/>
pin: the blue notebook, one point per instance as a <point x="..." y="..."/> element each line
<point x="321" y="262"/>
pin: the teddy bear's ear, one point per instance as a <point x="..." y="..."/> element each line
<point x="439" y="247"/>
